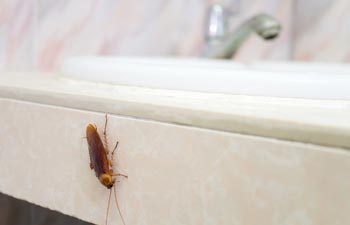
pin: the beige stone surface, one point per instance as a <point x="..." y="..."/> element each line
<point x="322" y="122"/>
<point x="177" y="175"/>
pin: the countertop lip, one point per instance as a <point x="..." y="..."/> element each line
<point x="320" y="122"/>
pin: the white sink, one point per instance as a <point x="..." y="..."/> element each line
<point x="296" y="80"/>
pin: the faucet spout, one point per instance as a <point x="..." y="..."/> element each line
<point x="263" y="25"/>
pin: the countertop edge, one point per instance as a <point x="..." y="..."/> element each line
<point x="248" y="125"/>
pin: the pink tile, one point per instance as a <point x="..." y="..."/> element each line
<point x="17" y="29"/>
<point x="68" y="28"/>
<point x="2" y="33"/>
<point x="41" y="33"/>
<point x="322" y="31"/>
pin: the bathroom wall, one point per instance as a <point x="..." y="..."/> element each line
<point x="40" y="33"/>
<point x="177" y="174"/>
<point x="322" y="30"/>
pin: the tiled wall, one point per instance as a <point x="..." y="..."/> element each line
<point x="323" y="30"/>
<point x="40" y="33"/>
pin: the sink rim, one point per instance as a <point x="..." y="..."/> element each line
<point x="229" y="77"/>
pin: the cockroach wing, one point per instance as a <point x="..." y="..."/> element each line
<point x="98" y="156"/>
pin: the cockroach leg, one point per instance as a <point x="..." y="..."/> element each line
<point x="119" y="175"/>
<point x="109" y="202"/>
<point x="116" y="201"/>
<point x="105" y="135"/>
<point x="115" y="148"/>
<point x="112" y="156"/>
<point x="104" y="131"/>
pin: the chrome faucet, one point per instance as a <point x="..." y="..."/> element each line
<point x="222" y="44"/>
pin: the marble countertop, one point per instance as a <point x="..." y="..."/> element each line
<point x="321" y="122"/>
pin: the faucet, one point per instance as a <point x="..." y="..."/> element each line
<point x="223" y="45"/>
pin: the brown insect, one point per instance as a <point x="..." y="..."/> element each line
<point x="102" y="163"/>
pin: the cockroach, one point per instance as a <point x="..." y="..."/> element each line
<point x="101" y="162"/>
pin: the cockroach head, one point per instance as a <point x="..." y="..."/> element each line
<point x="106" y="180"/>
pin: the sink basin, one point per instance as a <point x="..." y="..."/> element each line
<point x="293" y="80"/>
